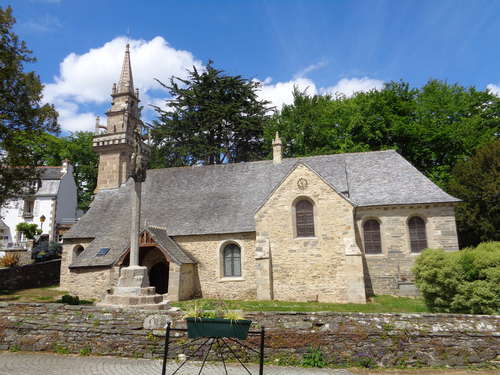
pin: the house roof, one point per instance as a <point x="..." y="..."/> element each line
<point x="51" y="173"/>
<point x="3" y="226"/>
<point x="224" y="198"/>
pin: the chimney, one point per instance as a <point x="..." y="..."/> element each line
<point x="97" y="124"/>
<point x="277" y="150"/>
<point x="66" y="167"/>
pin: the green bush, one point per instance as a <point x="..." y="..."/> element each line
<point x="466" y="281"/>
<point x="313" y="358"/>
<point x="73" y="300"/>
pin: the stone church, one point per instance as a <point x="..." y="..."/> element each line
<point x="332" y="228"/>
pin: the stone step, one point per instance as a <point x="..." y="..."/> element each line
<point x="112" y="299"/>
<point x="151" y="307"/>
<point x="133" y="291"/>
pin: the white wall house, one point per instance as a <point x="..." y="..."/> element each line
<point x="54" y="203"/>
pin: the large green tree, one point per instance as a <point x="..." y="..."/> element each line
<point x="476" y="180"/>
<point x="76" y="148"/>
<point x="433" y="127"/>
<point x="21" y="110"/>
<point x="211" y="118"/>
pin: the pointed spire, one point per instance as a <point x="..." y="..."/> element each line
<point x="126" y="82"/>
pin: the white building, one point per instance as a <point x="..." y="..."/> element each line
<point x="53" y="208"/>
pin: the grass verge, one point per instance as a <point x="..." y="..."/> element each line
<point x="377" y="304"/>
<point x="45" y="294"/>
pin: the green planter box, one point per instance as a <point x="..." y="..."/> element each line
<point x="216" y="327"/>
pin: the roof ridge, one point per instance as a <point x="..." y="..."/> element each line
<point x="270" y="160"/>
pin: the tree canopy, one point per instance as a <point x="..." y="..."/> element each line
<point x="433" y="127"/>
<point x="476" y="181"/>
<point x="212" y="118"/>
<point x="77" y="149"/>
<point x="21" y="110"/>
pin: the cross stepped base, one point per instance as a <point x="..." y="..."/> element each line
<point x="133" y="292"/>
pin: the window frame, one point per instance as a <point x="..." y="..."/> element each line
<point x="294" y="218"/>
<point x="222" y="275"/>
<point x="424" y="221"/>
<point x="363" y="223"/>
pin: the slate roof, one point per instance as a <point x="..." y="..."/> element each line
<point x="169" y="245"/>
<point x="51" y="173"/>
<point x="3" y="226"/>
<point x="225" y="198"/>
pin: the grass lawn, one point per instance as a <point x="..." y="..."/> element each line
<point x="46" y="294"/>
<point x="378" y="304"/>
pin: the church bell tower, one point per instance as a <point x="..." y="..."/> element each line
<point x="114" y="142"/>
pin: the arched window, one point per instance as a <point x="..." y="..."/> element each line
<point x="418" y="238"/>
<point x="232" y="260"/>
<point x="77" y="250"/>
<point x="371" y="233"/>
<point x="304" y="218"/>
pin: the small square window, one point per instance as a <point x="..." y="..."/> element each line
<point x="102" y="251"/>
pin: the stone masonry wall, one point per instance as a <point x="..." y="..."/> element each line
<point x="87" y="283"/>
<point x="326" y="267"/>
<point x="384" y="272"/>
<point x="30" y="275"/>
<point x="207" y="250"/>
<point x="345" y="339"/>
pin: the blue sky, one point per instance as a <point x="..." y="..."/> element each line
<point x="325" y="46"/>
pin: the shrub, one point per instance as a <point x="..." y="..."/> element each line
<point x="29" y="230"/>
<point x="73" y="300"/>
<point x="466" y="281"/>
<point x="45" y="250"/>
<point x="9" y="260"/>
<point x="313" y="358"/>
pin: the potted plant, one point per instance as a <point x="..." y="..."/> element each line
<point x="218" y="323"/>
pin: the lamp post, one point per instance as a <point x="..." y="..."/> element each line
<point x="42" y="220"/>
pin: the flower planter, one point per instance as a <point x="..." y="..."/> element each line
<point x="217" y="327"/>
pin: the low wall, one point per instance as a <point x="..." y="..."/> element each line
<point x="31" y="275"/>
<point x="345" y="339"/>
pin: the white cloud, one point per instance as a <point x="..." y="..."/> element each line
<point x="350" y="86"/>
<point x="310" y="69"/>
<point x="494" y="89"/>
<point x="282" y="92"/>
<point x="88" y="78"/>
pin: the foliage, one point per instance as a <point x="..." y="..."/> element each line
<point x="466" y="281"/>
<point x="29" y="230"/>
<point x="21" y="111"/>
<point x="73" y="300"/>
<point x="50" y="150"/>
<point x="45" y="250"/>
<point x="9" y="260"/>
<point x="313" y="358"/>
<point x="382" y="304"/>
<point x="433" y="127"/>
<point x="212" y="118"/>
<point x="476" y="181"/>
<point x="219" y="310"/>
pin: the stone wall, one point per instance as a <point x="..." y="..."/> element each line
<point x="384" y="272"/>
<point x="327" y="267"/>
<point x="31" y="275"/>
<point x="87" y="283"/>
<point x="344" y="338"/>
<point x="210" y="280"/>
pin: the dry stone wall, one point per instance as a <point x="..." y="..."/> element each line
<point x="345" y="339"/>
<point x="30" y="275"/>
